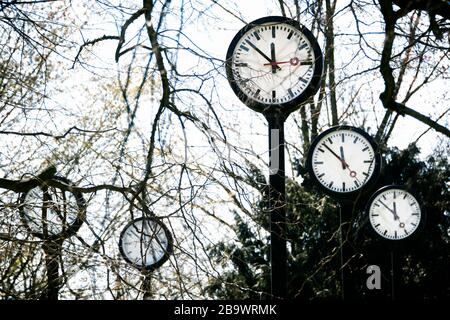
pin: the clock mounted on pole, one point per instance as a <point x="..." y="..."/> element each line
<point x="273" y="65"/>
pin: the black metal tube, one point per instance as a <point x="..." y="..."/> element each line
<point x="277" y="195"/>
<point x="52" y="251"/>
<point x="346" y="211"/>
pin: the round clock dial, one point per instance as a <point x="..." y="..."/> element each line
<point x="274" y="62"/>
<point x="145" y="243"/>
<point x="394" y="213"/>
<point x="49" y="212"/>
<point x="343" y="160"/>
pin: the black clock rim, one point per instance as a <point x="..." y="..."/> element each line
<point x="289" y="106"/>
<point x="392" y="243"/>
<point x="345" y="196"/>
<point x="71" y="228"/>
<point x="164" y="258"/>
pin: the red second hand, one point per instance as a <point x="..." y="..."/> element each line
<point x="293" y="61"/>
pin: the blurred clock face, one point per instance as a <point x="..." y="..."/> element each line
<point x="49" y="212"/>
<point x="394" y="214"/>
<point x="343" y="160"/>
<point x="145" y="243"/>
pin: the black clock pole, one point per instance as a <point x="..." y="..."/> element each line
<point x="52" y="250"/>
<point x="147" y="285"/>
<point x="346" y="211"/>
<point x="277" y="205"/>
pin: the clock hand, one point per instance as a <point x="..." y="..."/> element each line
<point x="343" y="157"/>
<point x="260" y="52"/>
<point x="293" y="61"/>
<point x="272" y="55"/>
<point x="334" y="154"/>
<point x="395" y="215"/>
<point x="344" y="163"/>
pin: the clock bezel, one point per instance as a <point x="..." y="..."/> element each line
<point x="168" y="250"/>
<point x="367" y="185"/>
<point x="412" y="235"/>
<point x="70" y="229"/>
<point x="289" y="106"/>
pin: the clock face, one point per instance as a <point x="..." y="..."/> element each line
<point x="342" y="160"/>
<point x="274" y="62"/>
<point x="145" y="243"/>
<point x="394" y="213"/>
<point x="49" y="212"/>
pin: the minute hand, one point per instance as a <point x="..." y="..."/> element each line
<point x="261" y="53"/>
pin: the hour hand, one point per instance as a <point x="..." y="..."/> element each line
<point x="272" y="55"/>
<point x="343" y="158"/>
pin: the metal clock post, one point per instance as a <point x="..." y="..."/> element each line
<point x="53" y="215"/>
<point x="397" y="218"/>
<point x="344" y="161"/>
<point x="146" y="243"/>
<point x="273" y="65"/>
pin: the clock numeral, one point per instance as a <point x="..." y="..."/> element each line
<point x="343" y="138"/>
<point x="404" y="197"/>
<point x="385" y="232"/>
<point x="306" y="63"/>
<point x="290" y="35"/>
<point x="356" y="139"/>
<point x="321" y="150"/>
<point x="331" y="183"/>
<point x="405" y="231"/>
<point x="368" y="161"/>
<point x="377" y="225"/>
<point x="331" y="141"/>
<point x="356" y="182"/>
<point x="303" y="80"/>
<point x="318" y="162"/>
<point x="241" y="64"/>
<point x="321" y="175"/>
<point x="412" y="204"/>
<point x="384" y="196"/>
<point x="366" y="174"/>
<point x="365" y="149"/>
<point x="394" y="194"/>
<point x="256" y="35"/>
<point x="375" y="215"/>
<point x="274" y="94"/>
<point x="273" y="31"/>
<point x="343" y="186"/>
<point x="395" y="234"/>
<point x="257" y="93"/>
<point x="413" y="224"/>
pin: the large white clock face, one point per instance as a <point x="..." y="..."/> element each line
<point x="144" y="242"/>
<point x="343" y="161"/>
<point x="395" y="214"/>
<point x="273" y="63"/>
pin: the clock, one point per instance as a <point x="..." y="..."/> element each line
<point x="395" y="213"/>
<point x="145" y="243"/>
<point x="274" y="64"/>
<point x="52" y="213"/>
<point x="343" y="160"/>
